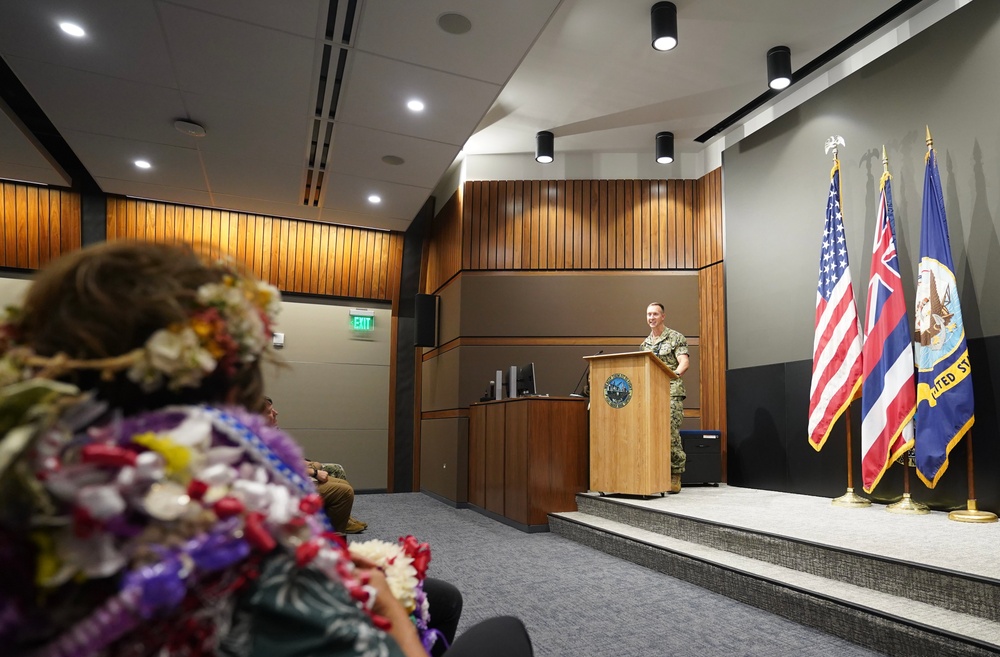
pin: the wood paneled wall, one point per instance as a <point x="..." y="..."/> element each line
<point x="444" y="244"/>
<point x="578" y="224"/>
<point x="591" y="225"/>
<point x="708" y="213"/>
<point x="296" y="256"/>
<point x="559" y="225"/>
<point x="712" y="348"/>
<point x="37" y="224"/>
<point x="712" y="307"/>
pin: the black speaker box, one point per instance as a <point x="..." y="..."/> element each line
<point x="704" y="457"/>
<point x="425" y="320"/>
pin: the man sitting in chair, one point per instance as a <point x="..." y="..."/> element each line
<point x="331" y="484"/>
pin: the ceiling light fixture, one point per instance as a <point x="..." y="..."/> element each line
<point x="72" y="29"/>
<point x="779" y="67"/>
<point x="143" y="164"/>
<point x="664" y="147"/>
<point x="415" y="105"/>
<point x="374" y="199"/>
<point x="544" y="146"/>
<point x="663" y="24"/>
<point x="189" y="128"/>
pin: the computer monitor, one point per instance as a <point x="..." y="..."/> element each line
<point x="526" y="380"/>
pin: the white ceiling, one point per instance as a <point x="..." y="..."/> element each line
<point x="249" y="71"/>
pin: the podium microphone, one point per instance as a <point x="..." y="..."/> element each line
<point x="585" y="370"/>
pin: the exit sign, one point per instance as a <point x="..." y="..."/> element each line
<point x="362" y="320"/>
<point x="361" y="323"/>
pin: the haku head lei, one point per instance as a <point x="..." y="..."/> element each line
<point x="231" y="324"/>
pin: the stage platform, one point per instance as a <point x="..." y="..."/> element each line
<point x="902" y="584"/>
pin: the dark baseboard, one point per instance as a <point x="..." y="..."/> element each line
<point x="445" y="500"/>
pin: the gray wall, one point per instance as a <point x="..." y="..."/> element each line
<point x="333" y="393"/>
<point x="550" y="305"/>
<point x="776" y="182"/>
<point x="775" y="190"/>
<point x="12" y="288"/>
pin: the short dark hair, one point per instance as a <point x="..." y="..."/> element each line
<point x="657" y="303"/>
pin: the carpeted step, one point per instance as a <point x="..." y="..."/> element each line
<point x="869" y="617"/>
<point x="965" y="593"/>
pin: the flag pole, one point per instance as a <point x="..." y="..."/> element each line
<point x="907" y="505"/>
<point x="971" y="513"/>
<point x="849" y="498"/>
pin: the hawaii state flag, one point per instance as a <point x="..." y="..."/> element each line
<point x="888" y="393"/>
<point x="836" y="374"/>
<point x="944" y="376"/>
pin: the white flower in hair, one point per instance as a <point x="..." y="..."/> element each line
<point x="175" y="353"/>
<point x="268" y="298"/>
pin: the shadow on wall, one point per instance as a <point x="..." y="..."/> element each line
<point x="756" y="454"/>
<point x="762" y="453"/>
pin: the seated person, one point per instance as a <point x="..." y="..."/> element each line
<point x="337" y="492"/>
<point x="146" y="508"/>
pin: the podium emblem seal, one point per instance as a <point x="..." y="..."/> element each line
<point x="617" y="390"/>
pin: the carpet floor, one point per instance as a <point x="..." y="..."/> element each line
<point x="578" y="602"/>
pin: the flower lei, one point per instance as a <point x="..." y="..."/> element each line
<point x="179" y="504"/>
<point x="230" y="325"/>
<point x="405" y="568"/>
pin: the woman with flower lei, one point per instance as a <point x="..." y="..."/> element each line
<point x="144" y="509"/>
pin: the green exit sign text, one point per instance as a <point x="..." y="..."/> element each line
<point x="359" y="323"/>
<point x="362" y="320"/>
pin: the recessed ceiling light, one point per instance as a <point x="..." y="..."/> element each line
<point x="453" y="23"/>
<point x="143" y="164"/>
<point x="415" y="105"/>
<point x="72" y="29"/>
<point x="374" y="199"/>
<point x="394" y="160"/>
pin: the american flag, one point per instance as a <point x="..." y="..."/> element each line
<point x="889" y="391"/>
<point x="836" y="374"/>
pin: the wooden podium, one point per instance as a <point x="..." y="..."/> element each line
<point x="629" y="423"/>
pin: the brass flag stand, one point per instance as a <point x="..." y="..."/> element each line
<point x="971" y="513"/>
<point x="907" y="505"/>
<point x="850" y="498"/>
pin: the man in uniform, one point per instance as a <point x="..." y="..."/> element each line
<point x="670" y="347"/>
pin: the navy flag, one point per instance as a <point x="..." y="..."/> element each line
<point x="944" y="376"/>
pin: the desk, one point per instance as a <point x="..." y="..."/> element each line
<point x="528" y="457"/>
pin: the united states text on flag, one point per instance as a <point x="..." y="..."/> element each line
<point x="944" y="376"/>
<point x="836" y="373"/>
<point x="888" y="393"/>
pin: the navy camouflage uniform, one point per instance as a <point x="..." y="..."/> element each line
<point x="667" y="347"/>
